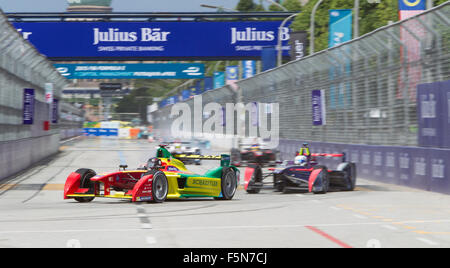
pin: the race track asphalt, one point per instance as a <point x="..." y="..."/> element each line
<point x="34" y="214"/>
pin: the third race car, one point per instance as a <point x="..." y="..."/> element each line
<point x="305" y="174"/>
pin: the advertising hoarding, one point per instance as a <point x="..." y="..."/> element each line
<point x="28" y="106"/>
<point x="132" y="71"/>
<point x="137" y="40"/>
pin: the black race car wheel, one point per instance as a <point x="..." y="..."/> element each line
<point x="160" y="186"/>
<point x="228" y="184"/>
<point x="278" y="184"/>
<point x="325" y="177"/>
<point x="350" y="175"/>
<point x="257" y="176"/>
<point x="85" y="182"/>
<point x="284" y="188"/>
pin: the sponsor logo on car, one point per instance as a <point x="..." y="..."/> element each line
<point x="204" y="182"/>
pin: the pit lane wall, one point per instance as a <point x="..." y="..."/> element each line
<point x="23" y="67"/>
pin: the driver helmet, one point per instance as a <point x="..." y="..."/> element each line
<point x="154" y="162"/>
<point x="300" y="160"/>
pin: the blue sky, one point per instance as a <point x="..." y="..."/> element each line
<point x="118" y="5"/>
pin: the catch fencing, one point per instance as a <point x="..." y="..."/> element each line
<point x="23" y="67"/>
<point x="369" y="83"/>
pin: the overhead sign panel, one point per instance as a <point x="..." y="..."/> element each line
<point x="132" y="71"/>
<point x="168" y="40"/>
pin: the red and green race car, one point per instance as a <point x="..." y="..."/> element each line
<point x="163" y="177"/>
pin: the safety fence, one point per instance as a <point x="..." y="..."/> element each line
<point x="23" y="70"/>
<point x="369" y="85"/>
<point x="370" y="101"/>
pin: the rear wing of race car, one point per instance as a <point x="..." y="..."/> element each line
<point x="225" y="159"/>
<point x="343" y="155"/>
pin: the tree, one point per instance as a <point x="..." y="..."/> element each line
<point x="245" y="5"/>
<point x="372" y="16"/>
<point x="291" y="5"/>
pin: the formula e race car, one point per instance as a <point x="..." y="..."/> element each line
<point x="163" y="177"/>
<point x="308" y="176"/>
<point x="185" y="148"/>
<point x="253" y="154"/>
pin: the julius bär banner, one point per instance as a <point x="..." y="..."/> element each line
<point x="210" y="40"/>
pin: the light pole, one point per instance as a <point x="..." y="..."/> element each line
<point x="356" y="19"/>
<point x="219" y="8"/>
<point x="312" y="25"/>
<point x="277" y="4"/>
<point x="280" y="44"/>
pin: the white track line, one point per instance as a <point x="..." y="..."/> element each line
<point x="202" y="228"/>
<point x="390" y="227"/>
<point x="150" y="240"/>
<point x="359" y="216"/>
<point x="426" y="241"/>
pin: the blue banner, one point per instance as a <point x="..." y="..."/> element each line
<point x="185" y="94"/>
<point x="232" y="73"/>
<point x="445" y="91"/>
<point x="340" y="26"/>
<point x="219" y="79"/>
<point x="249" y="68"/>
<point x="101" y="132"/>
<point x="318" y="108"/>
<point x="433" y="113"/>
<point x="198" y="88"/>
<point x="55" y="111"/>
<point x="28" y="106"/>
<point x="411" y="4"/>
<point x="132" y="71"/>
<point x="269" y="58"/>
<point x="208" y="83"/>
<point x="340" y="31"/>
<point x="238" y="39"/>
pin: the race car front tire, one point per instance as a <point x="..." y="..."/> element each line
<point x="228" y="184"/>
<point x="160" y="186"/>
<point x="85" y="182"/>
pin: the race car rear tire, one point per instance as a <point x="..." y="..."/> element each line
<point x="228" y="184"/>
<point x="324" y="175"/>
<point x="160" y="186"/>
<point x="350" y="174"/>
<point x="85" y="182"/>
<point x="257" y="176"/>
